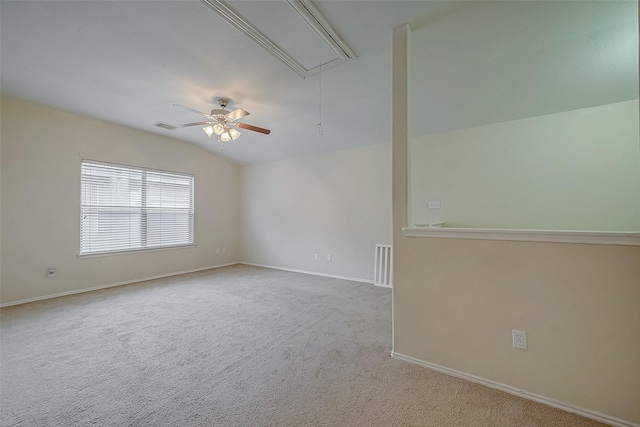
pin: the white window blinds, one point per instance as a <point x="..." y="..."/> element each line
<point x="127" y="208"/>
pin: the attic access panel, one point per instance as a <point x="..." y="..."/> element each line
<point x="295" y="32"/>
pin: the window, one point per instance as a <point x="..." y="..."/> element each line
<point x="126" y="208"/>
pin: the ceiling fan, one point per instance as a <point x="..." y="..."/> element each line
<point x="221" y="122"/>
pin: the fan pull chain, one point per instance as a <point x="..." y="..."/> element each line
<point x="320" y="100"/>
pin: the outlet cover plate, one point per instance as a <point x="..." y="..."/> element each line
<point x="519" y="339"/>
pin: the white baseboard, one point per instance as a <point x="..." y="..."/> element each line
<point x="111" y="285"/>
<point x="382" y="286"/>
<point x="143" y="279"/>
<point x="313" y="273"/>
<point x="603" y="418"/>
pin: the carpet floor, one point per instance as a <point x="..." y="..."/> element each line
<point x="234" y="346"/>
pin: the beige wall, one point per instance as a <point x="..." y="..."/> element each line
<point x="456" y="301"/>
<point x="41" y="153"/>
<point x="336" y="204"/>
<point x="575" y="170"/>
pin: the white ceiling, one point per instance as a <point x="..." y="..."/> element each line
<point x="127" y="62"/>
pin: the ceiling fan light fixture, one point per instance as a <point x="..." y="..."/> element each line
<point x="208" y="130"/>
<point x="234" y="134"/>
<point x="221" y="122"/>
<point x="218" y="129"/>
<point x="225" y="137"/>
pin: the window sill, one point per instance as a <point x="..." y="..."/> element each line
<point x="136" y="251"/>
<point x="627" y="238"/>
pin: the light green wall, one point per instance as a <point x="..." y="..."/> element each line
<point x="524" y="115"/>
<point x="576" y="170"/>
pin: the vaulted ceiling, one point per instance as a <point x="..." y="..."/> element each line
<point x="128" y="62"/>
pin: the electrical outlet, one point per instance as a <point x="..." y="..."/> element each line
<point x="316" y="257"/>
<point x="519" y="339"/>
<point x="329" y="258"/>
<point x="51" y="271"/>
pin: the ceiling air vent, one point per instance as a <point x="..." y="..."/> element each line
<point x="256" y="20"/>
<point x="164" y="125"/>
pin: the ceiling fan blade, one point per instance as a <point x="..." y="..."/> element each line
<point x="253" y="128"/>
<point x="186" y="125"/>
<point x="237" y="114"/>
<point x="192" y="110"/>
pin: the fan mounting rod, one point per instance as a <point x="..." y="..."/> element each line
<point x="223" y="102"/>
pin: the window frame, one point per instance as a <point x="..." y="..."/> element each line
<point x="143" y="210"/>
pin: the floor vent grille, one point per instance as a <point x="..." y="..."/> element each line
<point x="383" y="266"/>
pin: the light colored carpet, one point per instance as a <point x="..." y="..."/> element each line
<point x="235" y="346"/>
